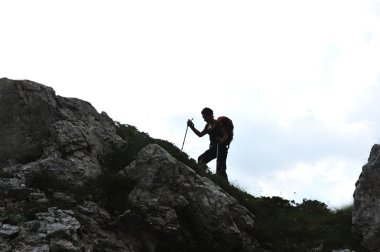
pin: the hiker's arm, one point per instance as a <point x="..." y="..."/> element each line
<point x="197" y="132"/>
<point x="224" y="137"/>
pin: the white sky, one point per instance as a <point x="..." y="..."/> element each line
<point x="300" y="79"/>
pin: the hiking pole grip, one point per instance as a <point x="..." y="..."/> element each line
<point x="187" y="127"/>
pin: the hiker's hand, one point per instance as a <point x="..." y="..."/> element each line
<point x="190" y="123"/>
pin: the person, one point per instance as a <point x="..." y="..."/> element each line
<point x="218" y="141"/>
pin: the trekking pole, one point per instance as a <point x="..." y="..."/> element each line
<point x="217" y="156"/>
<point x="187" y="127"/>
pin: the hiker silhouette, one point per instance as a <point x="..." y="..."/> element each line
<point x="219" y="141"/>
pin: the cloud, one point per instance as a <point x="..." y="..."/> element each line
<point x="307" y="160"/>
<point x="330" y="181"/>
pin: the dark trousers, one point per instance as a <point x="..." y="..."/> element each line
<point x="220" y="152"/>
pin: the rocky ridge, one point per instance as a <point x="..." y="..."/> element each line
<point x="64" y="143"/>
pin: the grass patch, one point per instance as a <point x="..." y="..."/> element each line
<point x="108" y="190"/>
<point x="117" y="158"/>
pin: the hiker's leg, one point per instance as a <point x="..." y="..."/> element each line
<point x="207" y="156"/>
<point x="221" y="162"/>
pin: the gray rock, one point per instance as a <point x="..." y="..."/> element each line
<point x="58" y="223"/>
<point x="55" y="230"/>
<point x="49" y="133"/>
<point x="38" y="197"/>
<point x="27" y="110"/>
<point x="4" y="246"/>
<point x="8" y="231"/>
<point x="64" y="197"/>
<point x="366" y="211"/>
<point x="14" y="188"/>
<point x="171" y="199"/>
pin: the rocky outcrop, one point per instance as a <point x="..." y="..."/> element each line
<point x="366" y="212"/>
<point x="66" y="230"/>
<point x="52" y="148"/>
<point x="63" y="134"/>
<point x="186" y="209"/>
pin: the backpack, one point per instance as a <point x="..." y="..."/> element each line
<point x="229" y="126"/>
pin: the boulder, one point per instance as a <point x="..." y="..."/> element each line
<point x="366" y="210"/>
<point x="171" y="200"/>
<point x="8" y="231"/>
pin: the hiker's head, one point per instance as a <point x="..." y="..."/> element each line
<point x="207" y="114"/>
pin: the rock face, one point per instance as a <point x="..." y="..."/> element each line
<point x="63" y="134"/>
<point x="366" y="212"/>
<point x="168" y="194"/>
<point x="68" y="144"/>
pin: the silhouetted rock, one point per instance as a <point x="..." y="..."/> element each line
<point x="366" y="212"/>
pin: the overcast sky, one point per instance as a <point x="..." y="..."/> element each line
<point x="300" y="79"/>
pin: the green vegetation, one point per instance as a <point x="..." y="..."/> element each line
<point x="137" y="140"/>
<point x="120" y="156"/>
<point x="301" y="227"/>
<point x="117" y="158"/>
<point x="109" y="191"/>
